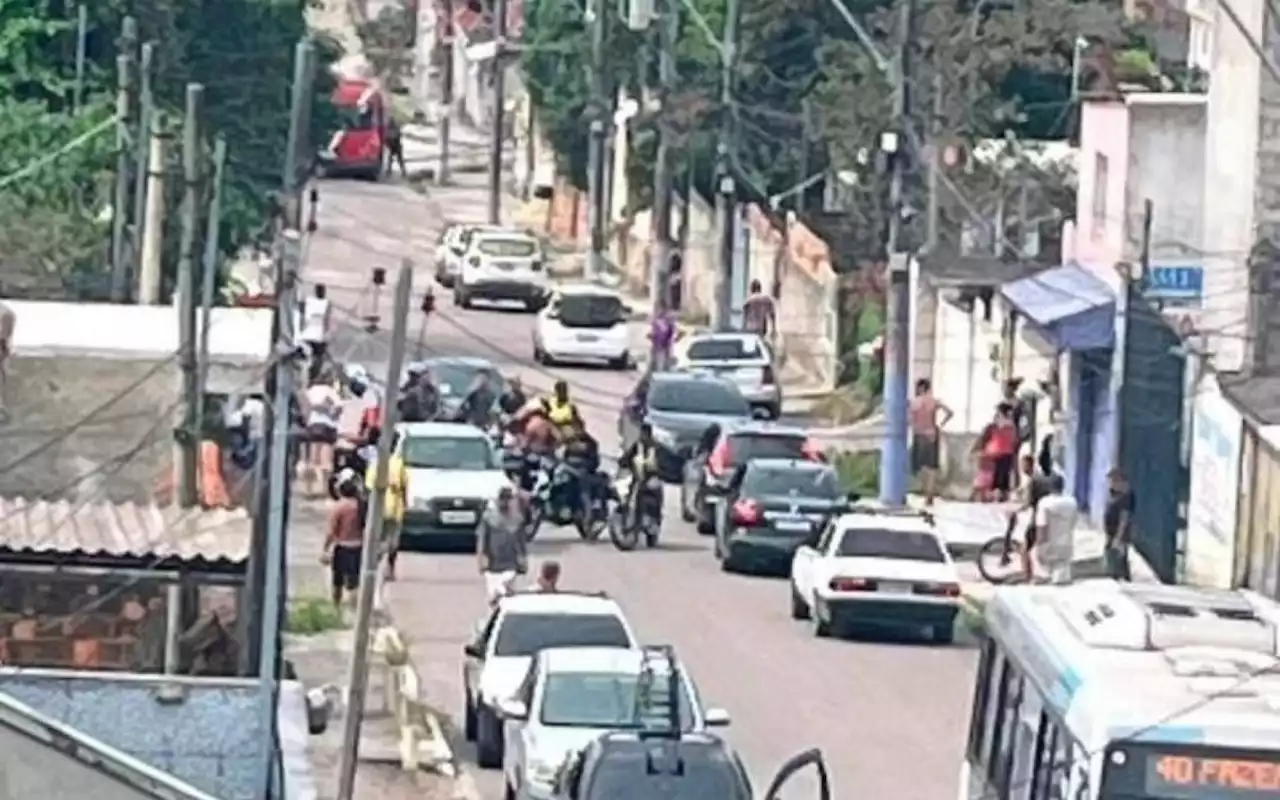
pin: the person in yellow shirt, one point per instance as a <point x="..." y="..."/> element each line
<point x="393" y="509"/>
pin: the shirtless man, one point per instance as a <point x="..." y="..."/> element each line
<point x="927" y="415"/>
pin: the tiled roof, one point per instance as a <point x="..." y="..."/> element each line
<point x="125" y="529"/>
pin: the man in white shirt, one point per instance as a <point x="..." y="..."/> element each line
<point x="314" y="328"/>
<point x="1056" y="517"/>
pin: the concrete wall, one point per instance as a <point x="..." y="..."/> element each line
<point x="1213" y="502"/>
<point x="211" y="739"/>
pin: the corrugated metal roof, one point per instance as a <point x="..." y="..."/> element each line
<point x="125" y="529"/>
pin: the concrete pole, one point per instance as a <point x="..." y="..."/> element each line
<point x="149" y="275"/>
<point x="192" y="161"/>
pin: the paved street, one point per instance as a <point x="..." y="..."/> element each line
<point x="890" y="716"/>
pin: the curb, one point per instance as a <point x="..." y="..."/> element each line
<point x="423" y="744"/>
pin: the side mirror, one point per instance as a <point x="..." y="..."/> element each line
<point x="716" y="718"/>
<point x="513" y="710"/>
<point x="472" y="650"/>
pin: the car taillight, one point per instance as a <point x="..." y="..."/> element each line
<point x="474" y="261"/>
<point x="745" y="512"/>
<point x="839" y="584"/>
<point x="718" y="461"/>
<point x="937" y="589"/>
<point x="766" y="375"/>
<point x="811" y="451"/>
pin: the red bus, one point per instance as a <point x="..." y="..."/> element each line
<point x="356" y="149"/>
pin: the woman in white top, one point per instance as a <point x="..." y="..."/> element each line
<point x="324" y="418"/>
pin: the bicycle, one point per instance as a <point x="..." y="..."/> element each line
<point x="1001" y="558"/>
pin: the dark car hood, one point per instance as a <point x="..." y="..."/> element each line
<point x="688" y="426"/>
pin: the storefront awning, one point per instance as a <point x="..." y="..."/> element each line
<point x="1071" y="305"/>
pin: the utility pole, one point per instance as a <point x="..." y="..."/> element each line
<point x="897" y="366"/>
<point x="1024" y="215"/>
<point x="806" y="123"/>
<point x="209" y="271"/>
<point x="82" y="45"/>
<point x="146" y="108"/>
<point x="273" y="564"/>
<point x="599" y="113"/>
<point x="299" y="131"/>
<point x="499" y="111"/>
<point x="933" y="212"/>
<point x="725" y="190"/>
<point x="189" y="440"/>
<point x="124" y="161"/>
<point x="446" y="94"/>
<point x="372" y="543"/>
<point x="664" y="171"/>
<point x="153" y="239"/>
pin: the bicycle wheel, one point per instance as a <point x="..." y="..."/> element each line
<point x="998" y="565"/>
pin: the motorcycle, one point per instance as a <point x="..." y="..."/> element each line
<point x="627" y="524"/>
<point x="564" y="494"/>
<point x="347" y="460"/>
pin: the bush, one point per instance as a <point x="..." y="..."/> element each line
<point x="859" y="472"/>
<point x="309" y="616"/>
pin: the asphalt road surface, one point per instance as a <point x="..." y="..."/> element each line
<point x="890" y="715"/>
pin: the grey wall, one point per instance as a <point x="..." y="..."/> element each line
<point x="31" y="769"/>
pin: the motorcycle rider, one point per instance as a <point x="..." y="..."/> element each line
<point x="514" y="398"/>
<point x="419" y="398"/>
<point x="477" y="406"/>
<point x="582" y="453"/>
<point x="539" y="440"/>
<point x="561" y="411"/>
<point x="640" y="460"/>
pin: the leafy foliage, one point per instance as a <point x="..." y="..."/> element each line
<point x="241" y="50"/>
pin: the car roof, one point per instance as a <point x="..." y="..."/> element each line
<point x="736" y="336"/>
<point x="797" y="464"/>
<point x="503" y="233"/>
<point x="431" y="430"/>
<point x="689" y="376"/>
<point x="905" y="521"/>
<point x="756" y="427"/>
<point x="560" y="603"/>
<point x="622" y="660"/>
<point x="458" y="361"/>
<point x="587" y="289"/>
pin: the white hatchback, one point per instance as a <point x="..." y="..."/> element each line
<point x="880" y="567"/>
<point x="584" y="323"/>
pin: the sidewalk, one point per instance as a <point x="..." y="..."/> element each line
<point x="322" y="659"/>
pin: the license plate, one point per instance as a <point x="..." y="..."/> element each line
<point x="893" y="587"/>
<point x="457" y="517"/>
<point x="792" y="525"/>
<point x="586" y="337"/>
<point x="505" y="267"/>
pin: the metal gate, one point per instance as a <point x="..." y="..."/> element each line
<point x="1150" y="431"/>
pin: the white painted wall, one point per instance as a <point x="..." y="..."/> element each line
<point x="1213" y="504"/>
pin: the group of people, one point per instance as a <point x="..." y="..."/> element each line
<point x="1006" y="470"/>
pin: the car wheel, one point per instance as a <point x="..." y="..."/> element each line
<point x="469" y="719"/>
<point x="943" y="634"/>
<point x="821" y="627"/>
<point x="621" y="363"/>
<point x="532" y="306"/>
<point x="457" y="295"/>
<point x="488" y="739"/>
<point x="705" y="524"/>
<point x="799" y="610"/>
<point x="464" y="298"/>
<point x="773" y="410"/>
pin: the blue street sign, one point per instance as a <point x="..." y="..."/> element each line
<point x="1175" y="285"/>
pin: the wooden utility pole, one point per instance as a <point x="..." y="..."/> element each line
<point x="124" y="161"/>
<point x="82" y="42"/>
<point x="149" y="274"/>
<point x="446" y="94"/>
<point x="146" y="109"/>
<point x="499" y="111"/>
<point x="192" y="161"/>
<point x="209" y="273"/>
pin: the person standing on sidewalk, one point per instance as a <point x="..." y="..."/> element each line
<point x="662" y="333"/>
<point x="927" y="415"/>
<point x="1056" y="518"/>
<point x="1117" y="524"/>
<point x="501" y="553"/>
<point x="344" y="541"/>
<point x="315" y="321"/>
<point x="393" y="508"/>
<point x="395" y="148"/>
<point x="760" y="313"/>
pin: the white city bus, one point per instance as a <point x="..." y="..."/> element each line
<point x="1109" y="691"/>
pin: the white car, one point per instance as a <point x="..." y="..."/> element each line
<point x="584" y="323"/>
<point x="502" y="265"/>
<point x="880" y="567"/>
<point x="453" y="473"/>
<point x="745" y="359"/>
<point x="498" y="657"/>
<point x="453" y="243"/>
<point x="572" y="696"/>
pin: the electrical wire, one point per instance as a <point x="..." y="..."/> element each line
<point x="52" y="156"/>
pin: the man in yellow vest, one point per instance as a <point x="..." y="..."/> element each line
<point x="561" y="411"/>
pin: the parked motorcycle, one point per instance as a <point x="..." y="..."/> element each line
<point x="347" y="461"/>
<point x="628" y="524"/>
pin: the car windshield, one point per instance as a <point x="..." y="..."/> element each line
<point x="698" y="397"/>
<point x="609" y="700"/>
<point x="508" y="247"/>
<point x="817" y="483"/>
<point x="455" y="380"/>
<point x="724" y="349"/>
<point x="744" y="447"/>
<point x="590" y="311"/>
<point x="448" y="452"/>
<point x="523" y="634"/>
<point x="902" y="545"/>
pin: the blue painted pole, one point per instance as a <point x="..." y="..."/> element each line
<point x="897" y="368"/>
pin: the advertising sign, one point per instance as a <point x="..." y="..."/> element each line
<point x="1214" y="499"/>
